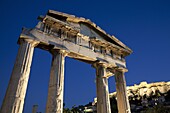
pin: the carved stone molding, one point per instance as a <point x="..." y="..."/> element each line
<point x="33" y="43"/>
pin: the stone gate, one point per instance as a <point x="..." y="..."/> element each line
<point x="65" y="35"/>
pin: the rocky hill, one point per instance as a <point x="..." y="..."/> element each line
<point x="144" y="96"/>
<point x="146" y="90"/>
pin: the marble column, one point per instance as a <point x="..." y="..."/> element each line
<point x="122" y="97"/>
<point x="103" y="100"/>
<point x="56" y="83"/>
<point x="14" y="99"/>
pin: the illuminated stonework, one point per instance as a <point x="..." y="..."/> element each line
<point x="65" y="35"/>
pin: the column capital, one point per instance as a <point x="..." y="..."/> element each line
<point x="33" y="43"/>
<point x="98" y="64"/>
<point x="56" y="51"/>
<point x="120" y="69"/>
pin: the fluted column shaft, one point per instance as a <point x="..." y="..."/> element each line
<point x="16" y="91"/>
<point x="103" y="100"/>
<point x="56" y="83"/>
<point x="122" y="97"/>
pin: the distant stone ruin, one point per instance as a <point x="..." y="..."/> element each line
<point x="146" y="90"/>
<point x="143" y="95"/>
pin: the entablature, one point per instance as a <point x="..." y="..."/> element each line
<point x="67" y="33"/>
<point x="79" y="37"/>
<point x="82" y="26"/>
<point x="73" y="48"/>
<point x="93" y="43"/>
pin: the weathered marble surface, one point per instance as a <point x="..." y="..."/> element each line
<point x="56" y="83"/>
<point x="103" y="103"/>
<point x="15" y="94"/>
<point x="122" y="97"/>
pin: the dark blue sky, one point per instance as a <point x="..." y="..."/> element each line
<point x="143" y="25"/>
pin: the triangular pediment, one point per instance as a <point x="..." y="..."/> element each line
<point x="89" y="29"/>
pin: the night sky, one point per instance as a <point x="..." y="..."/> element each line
<point x="143" y="25"/>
